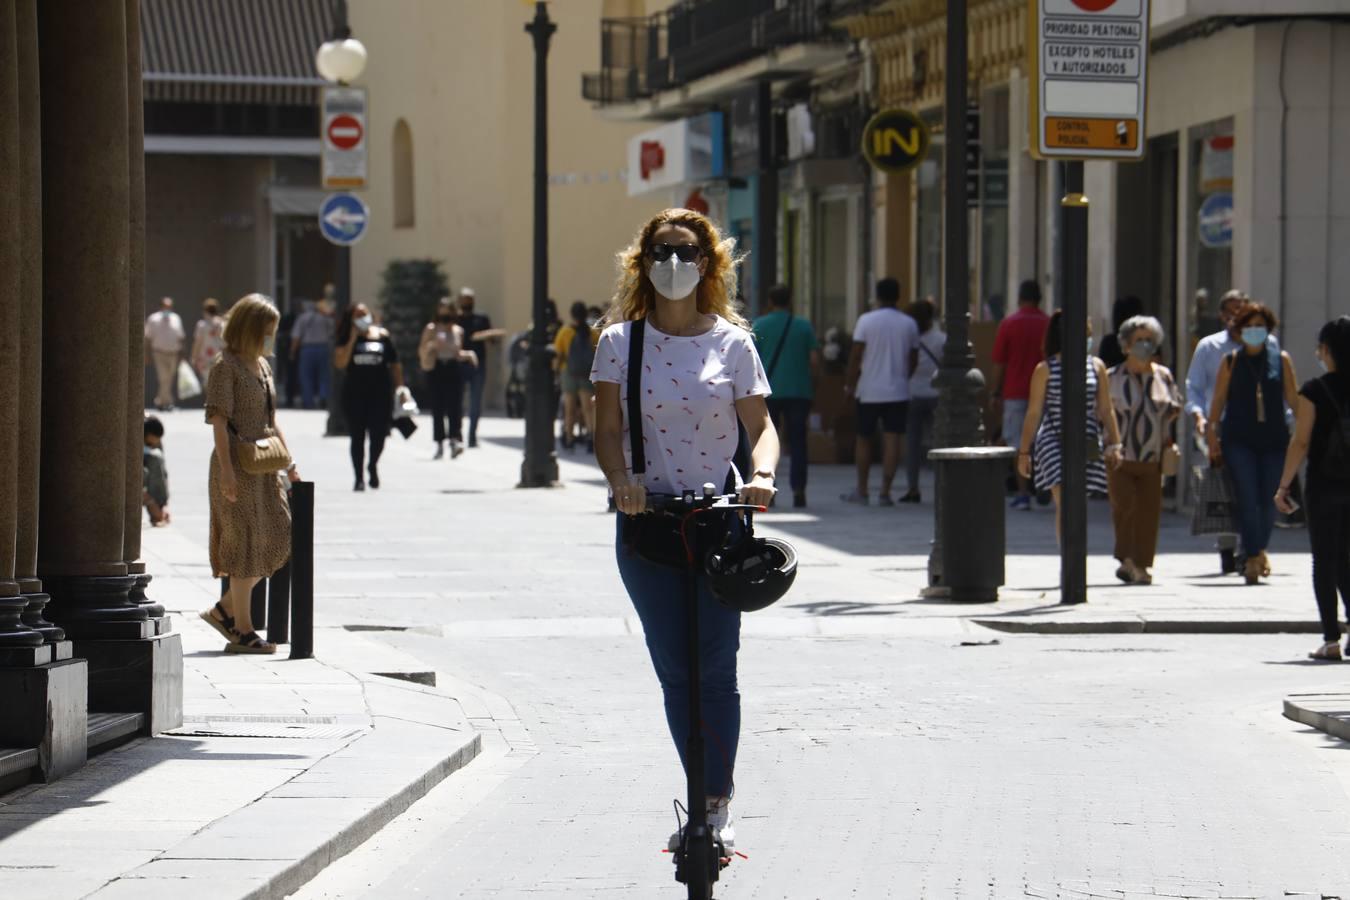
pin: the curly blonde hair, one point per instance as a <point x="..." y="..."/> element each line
<point x="634" y="297"/>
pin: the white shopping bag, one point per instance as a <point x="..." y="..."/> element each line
<point x="188" y="384"/>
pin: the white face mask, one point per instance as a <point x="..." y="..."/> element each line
<point x="269" y="345"/>
<point x="673" y="279"/>
<point x="363" y="323"/>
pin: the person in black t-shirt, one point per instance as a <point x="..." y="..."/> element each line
<point x="1323" y="436"/>
<point x="478" y="331"/>
<point x="366" y="352"/>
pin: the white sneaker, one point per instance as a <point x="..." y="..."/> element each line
<point x="719" y="820"/>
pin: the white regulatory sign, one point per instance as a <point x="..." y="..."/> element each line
<point x="343" y="125"/>
<point x="1090" y="87"/>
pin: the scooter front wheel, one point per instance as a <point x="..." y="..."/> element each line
<point x="700" y="868"/>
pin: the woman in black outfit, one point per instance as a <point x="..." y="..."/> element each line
<point x="366" y="353"/>
<point x="1323" y="436"/>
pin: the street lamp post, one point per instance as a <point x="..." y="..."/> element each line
<point x="341" y="60"/>
<point x="958" y="421"/>
<point x="540" y="468"/>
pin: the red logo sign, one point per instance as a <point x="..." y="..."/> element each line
<point x="1094" y="6"/>
<point x="345" y="132"/>
<point x="651" y="158"/>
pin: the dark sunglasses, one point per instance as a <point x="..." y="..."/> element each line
<point x="686" y="252"/>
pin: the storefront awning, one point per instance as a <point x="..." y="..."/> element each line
<point x="233" y="51"/>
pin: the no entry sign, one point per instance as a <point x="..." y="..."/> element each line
<point x="1090" y="87"/>
<point x="345" y="132"/>
<point x="344" y="138"/>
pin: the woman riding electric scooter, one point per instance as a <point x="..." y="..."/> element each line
<point x="700" y="375"/>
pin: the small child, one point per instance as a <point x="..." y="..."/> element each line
<point x="155" y="494"/>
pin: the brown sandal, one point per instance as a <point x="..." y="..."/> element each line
<point x="250" y="643"/>
<point x="225" y="624"/>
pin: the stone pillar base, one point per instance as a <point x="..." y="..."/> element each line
<point x="97" y="608"/>
<point x="34" y="616"/>
<point x="47" y="707"/>
<point x="15" y="636"/>
<point x="144" y="676"/>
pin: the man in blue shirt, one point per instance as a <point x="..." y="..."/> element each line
<point x="1200" y="381"/>
<point x="787" y="346"/>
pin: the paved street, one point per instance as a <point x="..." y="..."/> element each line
<point x="891" y="747"/>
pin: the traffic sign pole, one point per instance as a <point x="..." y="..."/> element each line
<point x="1073" y="387"/>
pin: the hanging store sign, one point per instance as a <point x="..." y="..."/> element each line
<point x="895" y="141"/>
<point x="344" y="138"/>
<point x="680" y="153"/>
<point x="1089" y="60"/>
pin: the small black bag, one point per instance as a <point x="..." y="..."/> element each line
<point x="655" y="537"/>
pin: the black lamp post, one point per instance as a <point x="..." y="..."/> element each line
<point x="540" y="468"/>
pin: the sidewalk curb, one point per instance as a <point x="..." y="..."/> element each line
<point x="1144" y="626"/>
<point x="1334" y="721"/>
<point x="348" y="839"/>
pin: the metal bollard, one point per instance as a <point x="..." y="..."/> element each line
<point x="971" y="495"/>
<point x="302" y="570"/>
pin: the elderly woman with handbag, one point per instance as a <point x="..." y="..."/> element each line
<point x="1146" y="402"/>
<point x="250" y="515"/>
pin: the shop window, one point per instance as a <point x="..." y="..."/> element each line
<point x="1211" y="220"/>
<point x="405" y="215"/>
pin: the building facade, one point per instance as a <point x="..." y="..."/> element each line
<point x="451" y="131"/>
<point x="85" y="658"/>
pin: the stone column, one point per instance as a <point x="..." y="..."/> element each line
<point x="18" y="642"/>
<point x="134" y="514"/>
<point x="30" y="326"/>
<point x="86" y="195"/>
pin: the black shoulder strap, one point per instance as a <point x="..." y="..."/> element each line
<point x="778" y="351"/>
<point x="636" y="334"/>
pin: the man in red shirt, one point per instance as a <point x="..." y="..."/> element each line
<point x="1018" y="349"/>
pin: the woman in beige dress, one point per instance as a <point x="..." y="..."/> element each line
<point x="250" y="516"/>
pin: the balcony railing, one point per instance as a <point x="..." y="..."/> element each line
<point x="695" y="38"/>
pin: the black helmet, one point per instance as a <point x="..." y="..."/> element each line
<point x="751" y="573"/>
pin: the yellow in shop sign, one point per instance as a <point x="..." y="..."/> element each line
<point x="895" y="141"/>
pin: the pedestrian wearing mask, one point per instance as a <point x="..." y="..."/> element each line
<point x="1146" y="401"/>
<point x="442" y="356"/>
<point x="1201" y="378"/>
<point x="701" y="375"/>
<point x="208" y="338"/>
<point x="1322" y="436"/>
<point x="478" y="331"/>
<point x="1042" y="433"/>
<point x="311" y="340"/>
<point x="250" y="516"/>
<point x="367" y="354"/>
<point x="1254" y="386"/>
<point x="573" y="356"/>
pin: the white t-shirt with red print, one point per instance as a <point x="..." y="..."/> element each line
<point x="690" y="386"/>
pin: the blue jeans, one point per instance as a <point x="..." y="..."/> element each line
<point x="792" y="414"/>
<point x="921" y="412"/>
<point x="474" y="377"/>
<point x="314" y="368"/>
<point x="1256" y="478"/>
<point x="658" y="595"/>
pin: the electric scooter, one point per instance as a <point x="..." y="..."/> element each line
<point x="701" y="855"/>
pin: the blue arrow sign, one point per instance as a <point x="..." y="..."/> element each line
<point x="1216" y="220"/>
<point x="343" y="219"/>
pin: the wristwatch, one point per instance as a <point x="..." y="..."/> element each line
<point x="765" y="473"/>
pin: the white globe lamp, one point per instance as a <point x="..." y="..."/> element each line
<point x="341" y="61"/>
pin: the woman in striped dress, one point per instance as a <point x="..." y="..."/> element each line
<point x="1042" y="427"/>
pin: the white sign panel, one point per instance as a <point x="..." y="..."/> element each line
<point x="1091" y="85"/>
<point x="344" y="138"/>
<point x="684" y="152"/>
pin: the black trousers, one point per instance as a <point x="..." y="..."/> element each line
<point x="447" y="401"/>
<point x="1329" y="532"/>
<point x="365" y="428"/>
<point x="792" y="414"/>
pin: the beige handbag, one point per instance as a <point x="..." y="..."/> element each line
<point x="1171" y="460"/>
<point x="267" y="454"/>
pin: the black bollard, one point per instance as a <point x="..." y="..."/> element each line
<point x="279" y="606"/>
<point x="302" y="570"/>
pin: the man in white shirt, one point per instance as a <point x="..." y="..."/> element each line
<point x="884" y="357"/>
<point x="164" y="339"/>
